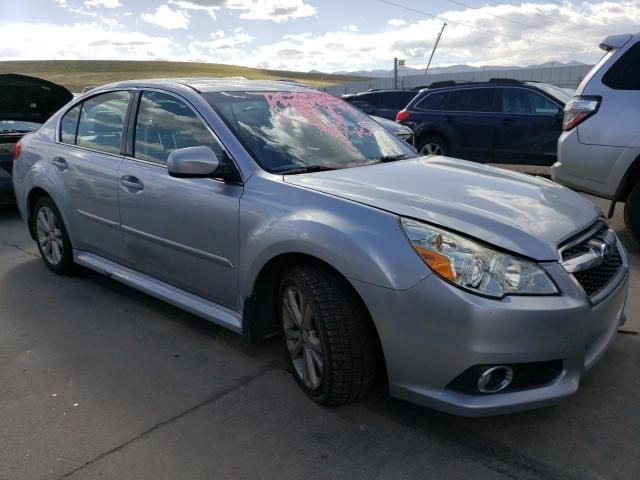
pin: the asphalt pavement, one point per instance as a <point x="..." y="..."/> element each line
<point x="99" y="381"/>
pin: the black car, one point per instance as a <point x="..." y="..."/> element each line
<point x="381" y="103"/>
<point x="500" y="121"/>
<point x="25" y="104"/>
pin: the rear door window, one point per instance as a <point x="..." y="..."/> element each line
<point x="165" y="124"/>
<point x="433" y="101"/>
<point x="102" y="120"/>
<point x="471" y="100"/>
<point x="624" y="74"/>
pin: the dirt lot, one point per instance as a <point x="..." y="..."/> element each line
<point x="100" y="381"/>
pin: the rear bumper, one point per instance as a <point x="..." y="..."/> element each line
<point x="434" y="332"/>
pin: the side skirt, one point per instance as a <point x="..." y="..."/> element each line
<point x="199" y="306"/>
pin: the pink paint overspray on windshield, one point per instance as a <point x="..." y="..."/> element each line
<point x="321" y="110"/>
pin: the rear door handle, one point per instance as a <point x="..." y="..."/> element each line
<point x="131" y="183"/>
<point x="507" y="121"/>
<point x="60" y="163"/>
<point x="449" y="118"/>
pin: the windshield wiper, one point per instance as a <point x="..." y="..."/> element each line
<point x="307" y="169"/>
<point x="393" y="158"/>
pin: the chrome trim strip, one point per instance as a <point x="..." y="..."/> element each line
<point x="588" y="234"/>
<point x="202" y="307"/>
<point x="179" y="246"/>
<point x="102" y="220"/>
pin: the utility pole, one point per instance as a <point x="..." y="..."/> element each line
<point x="434" y="49"/>
<point x="395" y="72"/>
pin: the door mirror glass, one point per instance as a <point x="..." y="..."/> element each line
<point x="193" y="162"/>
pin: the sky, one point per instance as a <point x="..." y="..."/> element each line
<point x="303" y="35"/>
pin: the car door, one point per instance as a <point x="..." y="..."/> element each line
<point x="86" y="159"/>
<point x="531" y="126"/>
<point x="183" y="231"/>
<point x="472" y="119"/>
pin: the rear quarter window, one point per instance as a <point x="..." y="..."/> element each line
<point x="624" y="74"/>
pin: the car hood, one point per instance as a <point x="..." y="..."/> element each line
<point x="31" y="99"/>
<point x="527" y="215"/>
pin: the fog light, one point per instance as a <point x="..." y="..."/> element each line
<point x="495" y="379"/>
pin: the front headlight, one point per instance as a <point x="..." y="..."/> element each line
<point x="475" y="267"/>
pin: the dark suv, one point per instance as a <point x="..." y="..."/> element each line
<point x="381" y="103"/>
<point x="500" y="121"/>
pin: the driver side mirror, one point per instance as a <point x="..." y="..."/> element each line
<point x="197" y="162"/>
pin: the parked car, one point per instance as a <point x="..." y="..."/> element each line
<point x="599" y="151"/>
<point x="266" y="207"/>
<point x="402" y="132"/>
<point x="25" y="103"/>
<point x="500" y="121"/>
<point x="381" y="103"/>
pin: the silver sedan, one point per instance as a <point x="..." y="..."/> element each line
<point x="273" y="208"/>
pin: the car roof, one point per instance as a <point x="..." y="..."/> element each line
<point x="211" y="84"/>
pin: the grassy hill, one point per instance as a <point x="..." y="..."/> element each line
<point x="76" y="74"/>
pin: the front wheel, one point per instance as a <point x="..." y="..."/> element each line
<point x="632" y="212"/>
<point x="328" y="336"/>
<point x="53" y="241"/>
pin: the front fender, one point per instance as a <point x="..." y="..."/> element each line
<point x="362" y="243"/>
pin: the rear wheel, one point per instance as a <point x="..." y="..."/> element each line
<point x="328" y="336"/>
<point x="52" y="238"/>
<point x="433" y="146"/>
<point x="632" y="212"/>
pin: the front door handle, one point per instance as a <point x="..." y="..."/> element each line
<point x="507" y="121"/>
<point x="131" y="183"/>
<point x="60" y="163"/>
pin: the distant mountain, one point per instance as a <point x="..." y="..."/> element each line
<point x="406" y="71"/>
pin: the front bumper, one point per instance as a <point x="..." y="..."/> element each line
<point x="433" y="332"/>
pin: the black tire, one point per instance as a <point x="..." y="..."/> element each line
<point x="346" y="333"/>
<point x="632" y="212"/>
<point x="434" y="141"/>
<point x="65" y="265"/>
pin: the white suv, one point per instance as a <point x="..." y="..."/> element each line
<point x="599" y="151"/>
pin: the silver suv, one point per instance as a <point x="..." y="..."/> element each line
<point x="266" y="207"/>
<point x="599" y="151"/>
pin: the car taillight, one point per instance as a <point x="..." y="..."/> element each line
<point x="402" y="116"/>
<point x="17" y="151"/>
<point x="578" y="109"/>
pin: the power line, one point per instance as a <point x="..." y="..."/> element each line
<point x="515" y="22"/>
<point x="605" y="23"/>
<point x="444" y="19"/>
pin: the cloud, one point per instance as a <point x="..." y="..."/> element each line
<point x="103" y="3"/>
<point x="167" y="18"/>
<point x="396" y="22"/>
<point x="352" y="28"/>
<point x="474" y="36"/>
<point x="98" y="43"/>
<point x="274" y="10"/>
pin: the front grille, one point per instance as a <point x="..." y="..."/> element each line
<point x="594" y="279"/>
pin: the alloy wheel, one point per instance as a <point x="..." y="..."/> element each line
<point x="302" y="337"/>
<point x="49" y="235"/>
<point x="432" y="148"/>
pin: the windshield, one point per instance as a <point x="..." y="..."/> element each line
<point x="18" y="126"/>
<point x="562" y="94"/>
<point x="287" y="131"/>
